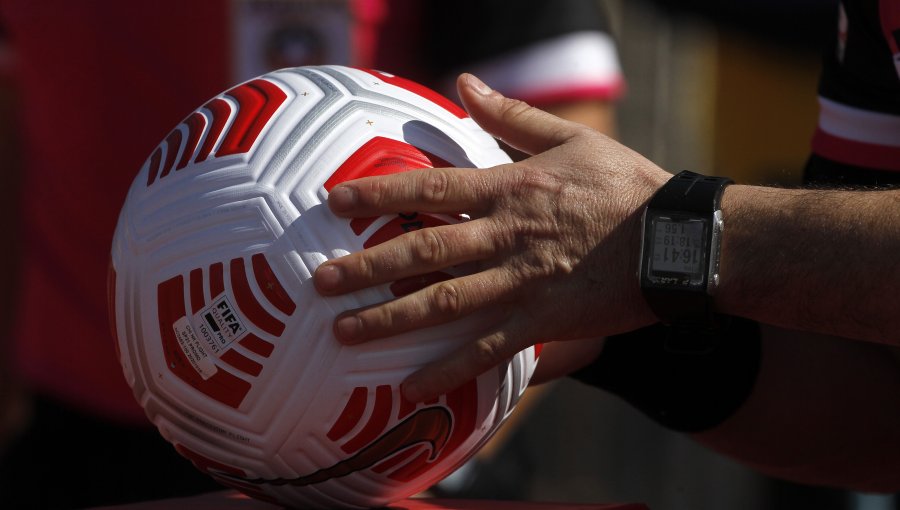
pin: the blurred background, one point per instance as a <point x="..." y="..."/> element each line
<point x="725" y="88"/>
<point x="722" y="88"/>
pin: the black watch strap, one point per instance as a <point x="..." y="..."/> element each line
<point x="687" y="192"/>
<point x="690" y="192"/>
<point x="686" y="309"/>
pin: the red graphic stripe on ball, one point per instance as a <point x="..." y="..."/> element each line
<point x="381" y="414"/>
<point x="270" y="286"/>
<point x="415" y="283"/>
<point x="463" y="403"/>
<point x="246" y="301"/>
<point x="216" y="279"/>
<point x="257" y="345"/>
<point x="197" y="298"/>
<point x="400" y="225"/>
<point x="350" y="416"/>
<point x="358" y="225"/>
<point x="220" y="111"/>
<point x="437" y="162"/>
<point x="379" y="156"/>
<point x="154" y="166"/>
<point x="421" y="90"/>
<point x="173" y="143"/>
<point x="406" y="408"/>
<point x="195" y="125"/>
<point x="257" y="101"/>
<point x="221" y="386"/>
<point x="241" y="362"/>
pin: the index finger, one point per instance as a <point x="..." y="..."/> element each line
<point x="436" y="190"/>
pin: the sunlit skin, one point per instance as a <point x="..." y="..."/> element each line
<point x="556" y="238"/>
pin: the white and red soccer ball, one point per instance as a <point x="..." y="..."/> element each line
<point x="221" y="334"/>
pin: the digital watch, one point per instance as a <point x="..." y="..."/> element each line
<point x="679" y="269"/>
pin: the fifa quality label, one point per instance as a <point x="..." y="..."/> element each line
<point x="193" y="349"/>
<point x="218" y="325"/>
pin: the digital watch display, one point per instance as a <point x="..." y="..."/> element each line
<point x="677" y="249"/>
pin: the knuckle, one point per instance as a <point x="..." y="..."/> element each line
<point x="531" y="264"/>
<point x="503" y="235"/>
<point x="380" y="193"/>
<point x="514" y="109"/>
<point x="573" y="131"/>
<point x="435" y="184"/>
<point x="373" y="321"/>
<point x="537" y="263"/>
<point x="485" y="353"/>
<point x="428" y="246"/>
<point x="530" y="178"/>
<point x="543" y="262"/>
<point x="533" y="179"/>
<point x="447" y="299"/>
<point x="364" y="266"/>
<point x="380" y="319"/>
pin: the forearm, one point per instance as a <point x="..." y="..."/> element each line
<point x="823" y="411"/>
<point x="813" y="260"/>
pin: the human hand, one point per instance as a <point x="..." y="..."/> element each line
<point x="556" y="238"/>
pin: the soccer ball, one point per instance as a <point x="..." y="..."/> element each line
<point x="220" y="332"/>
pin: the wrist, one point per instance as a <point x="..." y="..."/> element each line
<point x="734" y="202"/>
<point x="745" y="209"/>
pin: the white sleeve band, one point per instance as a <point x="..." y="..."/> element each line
<point x="578" y="65"/>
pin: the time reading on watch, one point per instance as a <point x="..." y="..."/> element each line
<point x="678" y="249"/>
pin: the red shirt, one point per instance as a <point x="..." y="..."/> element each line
<point x="99" y="88"/>
<point x="101" y="84"/>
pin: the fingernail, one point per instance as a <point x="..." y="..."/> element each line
<point x="477" y="85"/>
<point x="328" y="277"/>
<point x="342" y="198"/>
<point x="348" y="329"/>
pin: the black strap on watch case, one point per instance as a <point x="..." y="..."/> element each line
<point x="690" y="192"/>
<point x="686" y="192"/>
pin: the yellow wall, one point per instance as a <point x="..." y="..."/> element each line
<point x="765" y="110"/>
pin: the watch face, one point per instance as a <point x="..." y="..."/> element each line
<point x="678" y="250"/>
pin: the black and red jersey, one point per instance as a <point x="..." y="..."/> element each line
<point x="857" y="140"/>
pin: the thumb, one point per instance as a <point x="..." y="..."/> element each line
<point x="523" y="127"/>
